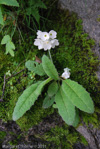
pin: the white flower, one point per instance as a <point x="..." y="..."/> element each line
<point x="52" y="34"/>
<point x="66" y="73"/>
<point x="46" y="40"/>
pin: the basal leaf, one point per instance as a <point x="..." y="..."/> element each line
<point x="36" y="67"/>
<point x="9" y="2"/>
<point x="30" y="65"/>
<point x="65" y="108"/>
<point x="39" y="70"/>
<point x="76" y="120"/>
<point x="49" y="68"/>
<point x="5" y="39"/>
<point x="1" y="17"/>
<point x="52" y="89"/>
<point x="78" y="95"/>
<point x="48" y="102"/>
<point x="27" y="99"/>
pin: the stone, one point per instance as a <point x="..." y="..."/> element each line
<point x="89" y="11"/>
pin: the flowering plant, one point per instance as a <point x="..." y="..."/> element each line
<point x="64" y="94"/>
<point x="46" y="40"/>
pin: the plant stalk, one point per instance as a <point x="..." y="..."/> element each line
<point x="50" y="56"/>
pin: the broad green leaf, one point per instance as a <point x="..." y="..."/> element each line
<point x="1" y="17"/>
<point x="5" y="39"/>
<point x="30" y="65"/>
<point x="52" y="89"/>
<point x="65" y="108"/>
<point x="27" y="99"/>
<point x="10" y="47"/>
<point x="39" y="70"/>
<point x="78" y="95"/>
<point x="48" y="102"/>
<point x="49" y="68"/>
<point x="36" y="67"/>
<point x="9" y="2"/>
<point x="76" y="120"/>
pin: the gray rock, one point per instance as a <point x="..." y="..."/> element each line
<point x="89" y="11"/>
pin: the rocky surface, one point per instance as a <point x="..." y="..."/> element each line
<point x="27" y="140"/>
<point x="89" y="12"/>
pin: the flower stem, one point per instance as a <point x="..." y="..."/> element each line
<point x="50" y="56"/>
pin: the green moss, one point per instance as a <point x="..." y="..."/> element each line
<point x="64" y="137"/>
<point x="91" y="118"/>
<point x="2" y="135"/>
<point x="15" y="141"/>
<point x="34" y="116"/>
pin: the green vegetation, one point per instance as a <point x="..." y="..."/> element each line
<point x="64" y="137"/>
<point x="74" y="52"/>
<point x="2" y="134"/>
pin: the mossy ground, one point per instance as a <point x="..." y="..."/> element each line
<point x="74" y="52"/>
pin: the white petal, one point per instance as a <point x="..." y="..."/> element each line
<point x="47" y="45"/>
<point x="39" y="43"/>
<point x="65" y="75"/>
<point x="44" y="36"/>
<point x="52" y="34"/>
<point x="54" y="43"/>
<point x="39" y="34"/>
<point x="66" y="69"/>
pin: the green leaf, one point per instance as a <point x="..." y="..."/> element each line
<point x="48" y="102"/>
<point x="37" y="4"/>
<point x="76" y="120"/>
<point x="36" y="67"/>
<point x="52" y="89"/>
<point x="30" y="65"/>
<point x="5" y="39"/>
<point x="27" y="99"/>
<point x="78" y="95"/>
<point x="39" y="70"/>
<point x="10" y="47"/>
<point x="35" y="14"/>
<point x="65" y="108"/>
<point x="1" y="17"/>
<point x="9" y="2"/>
<point x="33" y="9"/>
<point x="49" y="68"/>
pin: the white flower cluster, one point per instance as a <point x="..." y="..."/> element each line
<point x="46" y="40"/>
<point x="66" y="73"/>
